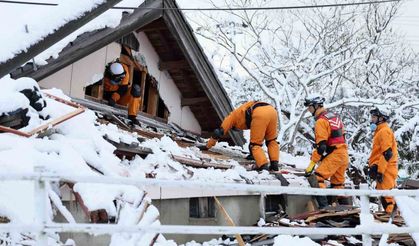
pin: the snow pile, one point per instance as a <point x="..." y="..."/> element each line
<point x="295" y="241"/>
<point x="213" y="242"/>
<point x="77" y="147"/>
<point x="409" y="208"/>
<point x="73" y="148"/>
<point x="163" y="166"/>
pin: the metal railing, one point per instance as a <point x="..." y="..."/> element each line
<point x="43" y="226"/>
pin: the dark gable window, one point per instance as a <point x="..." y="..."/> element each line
<point x="202" y="207"/>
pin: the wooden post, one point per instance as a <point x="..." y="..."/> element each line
<point x="143" y="77"/>
<point x="229" y="221"/>
<point x="153" y="100"/>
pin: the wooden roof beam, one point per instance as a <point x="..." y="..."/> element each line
<point x="193" y="101"/>
<point x="168" y="65"/>
<point x="49" y="40"/>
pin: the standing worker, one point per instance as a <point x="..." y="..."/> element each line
<point x="262" y="120"/>
<point x="384" y="155"/>
<point x="330" y="150"/>
<point x="118" y="90"/>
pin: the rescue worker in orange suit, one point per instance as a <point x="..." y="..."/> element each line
<point x="330" y="148"/>
<point x="117" y="89"/>
<point x="383" y="159"/>
<point x="262" y="120"/>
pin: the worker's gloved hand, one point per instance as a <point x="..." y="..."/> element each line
<point x="309" y="170"/>
<point x="380" y="177"/>
<point x="111" y="102"/>
<point x="218" y="133"/>
<point x="373" y="172"/>
<point x="211" y="143"/>
<point x="202" y="147"/>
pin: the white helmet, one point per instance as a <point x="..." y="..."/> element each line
<point x="314" y="99"/>
<point x="381" y="112"/>
<point x="117" y="69"/>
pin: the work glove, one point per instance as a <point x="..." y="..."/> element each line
<point x="309" y="170"/>
<point x="373" y="172"/>
<point x="202" y="147"/>
<point x="211" y="143"/>
<point x="380" y="177"/>
<point x="218" y="133"/>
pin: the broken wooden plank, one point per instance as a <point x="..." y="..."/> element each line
<point x="129" y="150"/>
<point x="79" y="109"/>
<point x="148" y="134"/>
<point x="199" y="163"/>
<point x="305" y="215"/>
<point x="410" y="184"/>
<point x="14" y="131"/>
<point x="384" y="217"/>
<point x="56" y="121"/>
<point x="332" y="214"/>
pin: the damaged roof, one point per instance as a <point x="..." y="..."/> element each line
<point x="174" y="41"/>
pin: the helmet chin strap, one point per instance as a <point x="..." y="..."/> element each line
<point x="315" y="109"/>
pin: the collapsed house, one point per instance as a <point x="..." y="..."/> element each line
<point x="183" y="101"/>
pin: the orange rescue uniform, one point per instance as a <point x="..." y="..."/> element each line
<point x="263" y="127"/>
<point x="334" y="165"/>
<point x="382" y="141"/>
<point x="121" y="93"/>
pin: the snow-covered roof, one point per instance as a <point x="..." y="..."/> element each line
<point x="40" y="21"/>
<point x="205" y="80"/>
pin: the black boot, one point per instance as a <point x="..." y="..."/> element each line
<point x="133" y="120"/>
<point x="274" y="166"/>
<point x="261" y="168"/>
<point x="321" y="200"/>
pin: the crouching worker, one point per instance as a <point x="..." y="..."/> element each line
<point x="331" y="151"/>
<point x="383" y="159"/>
<point x="118" y="90"/>
<point x="262" y="120"/>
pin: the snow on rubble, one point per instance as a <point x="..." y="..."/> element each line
<point x="77" y="145"/>
<point x="409" y="209"/>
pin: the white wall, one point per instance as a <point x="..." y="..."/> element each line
<point x="168" y="91"/>
<point x="75" y="77"/>
<point x="60" y="80"/>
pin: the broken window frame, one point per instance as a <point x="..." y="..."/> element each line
<point x="152" y="104"/>
<point x="202" y="208"/>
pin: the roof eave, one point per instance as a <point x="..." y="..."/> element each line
<point x="140" y="17"/>
<point x="49" y="40"/>
<point x="195" y="55"/>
